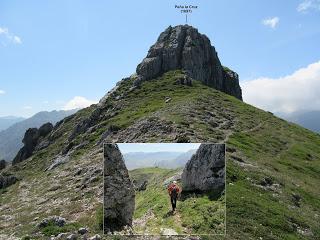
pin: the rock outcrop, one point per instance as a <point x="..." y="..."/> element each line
<point x="140" y="186"/>
<point x="32" y="137"/>
<point x="45" y="129"/>
<point x="205" y="171"/>
<point x="183" y="47"/>
<point x="55" y="220"/>
<point x="3" y="164"/>
<point x="7" y="180"/>
<point x="119" y="194"/>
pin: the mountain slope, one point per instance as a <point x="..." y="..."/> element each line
<point x="6" y="122"/>
<point x="194" y="215"/>
<point x="144" y="159"/>
<point x="160" y="159"/>
<point x="273" y="167"/>
<point x="179" y="161"/>
<point x="11" y="138"/>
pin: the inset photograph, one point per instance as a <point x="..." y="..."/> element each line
<point x="164" y="189"/>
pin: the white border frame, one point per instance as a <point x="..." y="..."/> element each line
<point x="179" y="235"/>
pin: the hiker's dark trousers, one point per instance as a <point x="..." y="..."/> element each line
<point x="173" y="202"/>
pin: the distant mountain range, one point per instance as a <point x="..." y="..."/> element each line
<point x="11" y="138"/>
<point x="309" y="120"/>
<point x="7" y="121"/>
<point x="136" y="160"/>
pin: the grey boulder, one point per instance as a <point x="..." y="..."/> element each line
<point x="205" y="171"/>
<point x="119" y="194"/>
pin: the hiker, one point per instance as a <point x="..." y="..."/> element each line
<point x="174" y="191"/>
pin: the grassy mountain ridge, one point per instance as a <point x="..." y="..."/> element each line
<point x="272" y="165"/>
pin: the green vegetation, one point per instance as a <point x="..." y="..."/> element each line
<point x="204" y="216"/>
<point x="195" y="214"/>
<point x="226" y="69"/>
<point x="99" y="218"/>
<point x="263" y="146"/>
<point x="53" y="229"/>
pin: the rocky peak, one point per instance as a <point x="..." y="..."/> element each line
<point x="31" y="139"/>
<point x="183" y="47"/>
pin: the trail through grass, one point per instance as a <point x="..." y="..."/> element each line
<point x="196" y="214"/>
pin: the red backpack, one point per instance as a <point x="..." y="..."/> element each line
<point x="173" y="190"/>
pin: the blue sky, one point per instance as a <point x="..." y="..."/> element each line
<point x="157" y="147"/>
<point x="53" y="51"/>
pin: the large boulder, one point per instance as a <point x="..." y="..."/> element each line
<point x="119" y="194"/>
<point x="205" y="171"/>
<point x="32" y="138"/>
<point x="183" y="47"/>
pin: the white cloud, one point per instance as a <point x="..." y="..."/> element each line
<point x="78" y="102"/>
<point x="27" y="107"/>
<point x="307" y="5"/>
<point x="2" y="92"/>
<point x="17" y="40"/>
<point x="295" y="92"/>
<point x="271" y="22"/>
<point x="9" y="36"/>
<point x="3" y="30"/>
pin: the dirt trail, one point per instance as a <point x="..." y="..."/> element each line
<point x="140" y="225"/>
<point x="255" y="128"/>
<point x="177" y="218"/>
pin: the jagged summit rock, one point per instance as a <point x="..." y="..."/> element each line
<point x="183" y="47"/>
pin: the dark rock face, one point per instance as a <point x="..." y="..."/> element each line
<point x="231" y="83"/>
<point x="205" y="171"/>
<point x="7" y="180"/>
<point x="3" y="164"/>
<point x="183" y="47"/>
<point x="119" y="194"/>
<point x="45" y="129"/>
<point x="32" y="137"/>
<point x="30" y="141"/>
